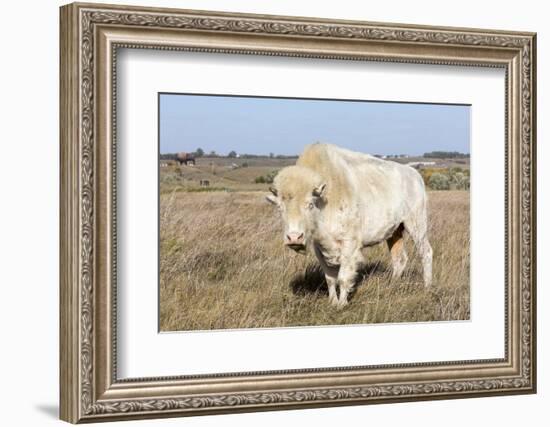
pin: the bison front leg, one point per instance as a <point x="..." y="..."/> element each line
<point x="331" y="276"/>
<point x="332" y="282"/>
<point x="347" y="276"/>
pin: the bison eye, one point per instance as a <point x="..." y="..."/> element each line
<point x="310" y="205"/>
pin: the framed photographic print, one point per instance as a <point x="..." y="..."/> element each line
<point x="266" y="212"/>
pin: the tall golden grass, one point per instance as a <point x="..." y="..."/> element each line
<point x="223" y="266"/>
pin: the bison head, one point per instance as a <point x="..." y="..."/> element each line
<point x="299" y="194"/>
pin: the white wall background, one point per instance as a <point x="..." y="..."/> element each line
<point x="29" y="171"/>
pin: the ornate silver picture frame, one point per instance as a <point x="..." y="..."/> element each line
<point x="91" y="35"/>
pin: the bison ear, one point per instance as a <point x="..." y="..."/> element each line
<point x="319" y="191"/>
<point x="273" y="191"/>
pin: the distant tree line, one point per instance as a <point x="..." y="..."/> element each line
<point x="199" y="152"/>
<point x="446" y="155"/>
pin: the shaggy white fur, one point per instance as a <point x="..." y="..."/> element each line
<point x="343" y="201"/>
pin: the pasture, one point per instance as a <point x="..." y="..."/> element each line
<point x="223" y="264"/>
<point x="224" y="174"/>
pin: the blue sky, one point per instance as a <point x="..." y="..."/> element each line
<point x="284" y="126"/>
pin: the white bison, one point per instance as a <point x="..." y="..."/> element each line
<point x="338" y="202"/>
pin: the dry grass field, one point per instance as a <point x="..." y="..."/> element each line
<point x="223" y="264"/>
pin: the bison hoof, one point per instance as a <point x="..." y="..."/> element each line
<point x="340" y="304"/>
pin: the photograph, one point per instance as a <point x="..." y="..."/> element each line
<point x="279" y="209"/>
<point x="291" y="212"/>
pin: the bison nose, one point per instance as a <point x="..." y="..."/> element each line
<point x="294" y="238"/>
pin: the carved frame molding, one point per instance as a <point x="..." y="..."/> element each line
<point x="90" y="34"/>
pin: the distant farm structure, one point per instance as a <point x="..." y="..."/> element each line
<point x="185" y="159"/>
<point x="420" y="164"/>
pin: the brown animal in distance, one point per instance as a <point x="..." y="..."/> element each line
<point x="185" y="158"/>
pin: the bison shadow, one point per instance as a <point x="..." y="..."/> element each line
<point x="312" y="280"/>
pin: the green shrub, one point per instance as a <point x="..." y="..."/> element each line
<point x="460" y="181"/>
<point x="266" y="179"/>
<point x="439" y="181"/>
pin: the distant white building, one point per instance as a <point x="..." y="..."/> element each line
<point x="416" y="164"/>
<point x="394" y="156"/>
